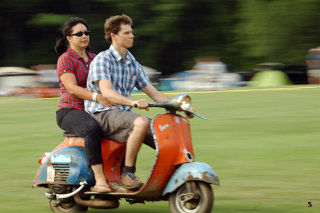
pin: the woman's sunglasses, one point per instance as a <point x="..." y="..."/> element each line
<point x="79" y="34"/>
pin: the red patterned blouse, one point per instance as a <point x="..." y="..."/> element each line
<point x="71" y="62"/>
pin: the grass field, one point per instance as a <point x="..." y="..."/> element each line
<point x="264" y="145"/>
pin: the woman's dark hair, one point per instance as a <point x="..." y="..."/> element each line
<point x="62" y="44"/>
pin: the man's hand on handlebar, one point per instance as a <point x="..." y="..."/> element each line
<point x="141" y="104"/>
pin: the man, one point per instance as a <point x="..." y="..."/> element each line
<point x="114" y="73"/>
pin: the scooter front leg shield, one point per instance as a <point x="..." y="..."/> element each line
<point x="191" y="171"/>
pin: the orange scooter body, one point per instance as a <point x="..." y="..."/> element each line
<point x="173" y="147"/>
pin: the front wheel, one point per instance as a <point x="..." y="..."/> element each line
<point x="196" y="199"/>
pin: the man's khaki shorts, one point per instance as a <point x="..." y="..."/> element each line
<point x="117" y="125"/>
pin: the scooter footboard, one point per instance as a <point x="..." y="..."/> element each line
<point x="191" y="171"/>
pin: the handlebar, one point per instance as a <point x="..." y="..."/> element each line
<point x="167" y="105"/>
<point x="176" y="104"/>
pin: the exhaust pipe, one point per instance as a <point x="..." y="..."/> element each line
<point x="97" y="203"/>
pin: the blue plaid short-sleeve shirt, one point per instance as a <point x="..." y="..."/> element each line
<point x="124" y="74"/>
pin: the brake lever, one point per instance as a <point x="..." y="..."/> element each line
<point x="188" y="112"/>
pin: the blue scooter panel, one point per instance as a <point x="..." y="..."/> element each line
<point x="191" y="171"/>
<point x="67" y="165"/>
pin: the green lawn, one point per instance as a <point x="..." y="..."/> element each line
<point x="264" y="145"/>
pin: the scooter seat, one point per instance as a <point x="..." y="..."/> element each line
<point x="68" y="134"/>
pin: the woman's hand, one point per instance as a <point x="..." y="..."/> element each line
<point x="104" y="101"/>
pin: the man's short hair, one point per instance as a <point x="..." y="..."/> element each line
<point x="112" y="25"/>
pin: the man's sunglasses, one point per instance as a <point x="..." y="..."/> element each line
<point x="79" y="34"/>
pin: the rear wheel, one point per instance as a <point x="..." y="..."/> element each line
<point x="198" y="200"/>
<point x="67" y="206"/>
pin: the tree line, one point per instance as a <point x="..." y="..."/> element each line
<point x="169" y="34"/>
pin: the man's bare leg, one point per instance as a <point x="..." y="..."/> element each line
<point x="135" y="139"/>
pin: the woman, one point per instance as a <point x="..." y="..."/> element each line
<point x="72" y="69"/>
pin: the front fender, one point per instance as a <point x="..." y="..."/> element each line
<point x="191" y="171"/>
<point x="67" y="165"/>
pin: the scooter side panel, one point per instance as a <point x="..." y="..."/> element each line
<point x="112" y="156"/>
<point x="70" y="141"/>
<point x="66" y="165"/>
<point x="41" y="176"/>
<point x="191" y="171"/>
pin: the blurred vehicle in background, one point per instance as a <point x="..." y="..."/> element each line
<point x="46" y="89"/>
<point x="34" y="82"/>
<point x="47" y="81"/>
<point x="48" y="78"/>
<point x="297" y="73"/>
<point x="152" y="74"/>
<point x="16" y="80"/>
<point x="313" y="63"/>
<point x="207" y="74"/>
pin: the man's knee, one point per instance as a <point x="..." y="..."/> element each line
<point x="141" y="123"/>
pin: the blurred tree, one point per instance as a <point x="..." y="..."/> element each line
<point x="30" y="29"/>
<point x="169" y="35"/>
<point x="279" y="31"/>
<point x="12" y="22"/>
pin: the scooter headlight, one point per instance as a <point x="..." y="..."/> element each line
<point x="184" y="102"/>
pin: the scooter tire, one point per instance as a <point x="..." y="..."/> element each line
<point x="67" y="206"/>
<point x="203" y="204"/>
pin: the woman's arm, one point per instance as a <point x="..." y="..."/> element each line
<point x="116" y="98"/>
<point x="70" y="83"/>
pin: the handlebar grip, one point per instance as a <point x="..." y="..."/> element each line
<point x="188" y="113"/>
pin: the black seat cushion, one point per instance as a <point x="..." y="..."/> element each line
<point x="68" y="134"/>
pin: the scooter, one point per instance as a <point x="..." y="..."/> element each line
<point x="174" y="176"/>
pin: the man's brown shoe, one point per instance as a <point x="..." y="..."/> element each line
<point x="129" y="181"/>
